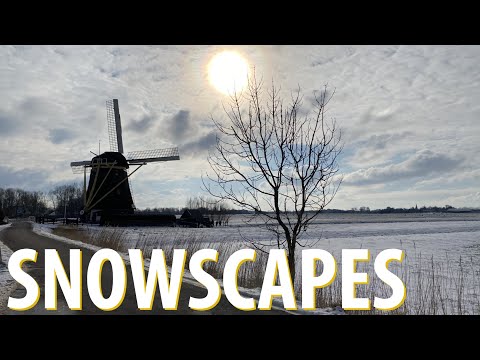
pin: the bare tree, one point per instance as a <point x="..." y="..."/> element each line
<point x="215" y="209"/>
<point x="19" y="202"/>
<point x="67" y="197"/>
<point x="277" y="160"/>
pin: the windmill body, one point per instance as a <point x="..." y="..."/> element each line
<point x="108" y="198"/>
<point x="111" y="169"/>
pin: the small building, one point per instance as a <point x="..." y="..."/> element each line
<point x="194" y="218"/>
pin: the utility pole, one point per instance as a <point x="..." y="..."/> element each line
<point x="65" y="210"/>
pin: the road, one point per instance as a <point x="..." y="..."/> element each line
<point x="20" y="236"/>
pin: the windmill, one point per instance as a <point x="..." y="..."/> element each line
<point x="108" y="193"/>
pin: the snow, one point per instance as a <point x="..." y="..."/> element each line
<point x="46" y="230"/>
<point x="332" y="228"/>
<point x="277" y="303"/>
<point x="440" y="247"/>
<point x="2" y="227"/>
<point x="444" y="245"/>
<point x="7" y="284"/>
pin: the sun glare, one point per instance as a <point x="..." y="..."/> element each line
<point x="228" y="72"/>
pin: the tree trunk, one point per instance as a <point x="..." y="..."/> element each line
<point x="291" y="264"/>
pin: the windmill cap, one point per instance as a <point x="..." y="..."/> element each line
<point x="111" y="157"/>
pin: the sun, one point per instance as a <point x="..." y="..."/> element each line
<point x="228" y="72"/>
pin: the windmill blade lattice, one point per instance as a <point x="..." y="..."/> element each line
<point x="114" y="126"/>
<point x="78" y="169"/>
<point x="153" y="155"/>
<point x="112" y="130"/>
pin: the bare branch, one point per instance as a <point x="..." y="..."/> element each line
<point x="276" y="159"/>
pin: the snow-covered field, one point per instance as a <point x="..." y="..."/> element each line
<point x="47" y="230"/>
<point x="442" y="251"/>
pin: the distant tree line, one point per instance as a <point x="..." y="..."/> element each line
<point x="391" y="210"/>
<point x="208" y="206"/>
<point x="15" y="202"/>
<point x="161" y="210"/>
<point x="67" y="200"/>
<point x="216" y="210"/>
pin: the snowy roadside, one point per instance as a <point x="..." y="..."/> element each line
<point x="7" y="284"/>
<point x="46" y="230"/>
<point x="4" y="250"/>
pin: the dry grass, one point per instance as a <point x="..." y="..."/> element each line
<point x="250" y="273"/>
<point x="433" y="287"/>
<point x="450" y="287"/>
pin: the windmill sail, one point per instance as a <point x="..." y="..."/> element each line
<point x="78" y="166"/>
<point x="114" y="126"/>
<point x="146" y="156"/>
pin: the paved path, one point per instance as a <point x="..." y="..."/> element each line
<point x="20" y="235"/>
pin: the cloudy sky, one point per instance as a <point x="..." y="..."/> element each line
<point x="410" y="115"/>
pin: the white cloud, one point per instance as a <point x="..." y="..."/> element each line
<point x="409" y="113"/>
<point x="421" y="164"/>
<point x="451" y="179"/>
